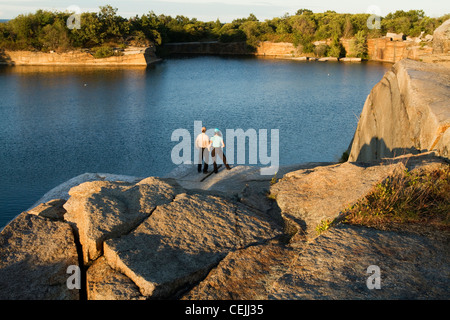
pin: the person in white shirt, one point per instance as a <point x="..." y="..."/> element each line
<point x="202" y="143"/>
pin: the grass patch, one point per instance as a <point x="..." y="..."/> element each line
<point x="410" y="197"/>
<point x="323" y="226"/>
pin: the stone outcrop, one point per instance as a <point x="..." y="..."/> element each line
<point x="307" y="197"/>
<point x="53" y="209"/>
<point x="441" y="38"/>
<point x="205" y="48"/>
<point x="102" y="210"/>
<point x="150" y="239"/>
<point x="105" y="283"/>
<point x="35" y="254"/>
<point x="62" y="191"/>
<point x="222" y="238"/>
<point x="181" y="241"/>
<point x="132" y="57"/>
<point x="246" y="274"/>
<point x="332" y="266"/>
<point x="406" y="112"/>
<point x="276" y="49"/>
<point x="387" y="50"/>
<point x="378" y="49"/>
<point x="335" y="264"/>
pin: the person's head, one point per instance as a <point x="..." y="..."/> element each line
<point x="203" y="129"/>
<point x="216" y="131"/>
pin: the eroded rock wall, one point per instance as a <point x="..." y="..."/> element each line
<point x="441" y="38"/>
<point x="141" y="57"/>
<point x="408" y="111"/>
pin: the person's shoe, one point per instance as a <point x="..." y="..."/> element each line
<point x="228" y="168"/>
<point x="205" y="172"/>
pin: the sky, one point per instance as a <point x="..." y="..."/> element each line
<point x="226" y="10"/>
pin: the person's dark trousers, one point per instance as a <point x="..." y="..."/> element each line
<point x="204" y="157"/>
<point x="214" y="153"/>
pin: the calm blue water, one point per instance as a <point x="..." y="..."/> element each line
<point x="58" y="122"/>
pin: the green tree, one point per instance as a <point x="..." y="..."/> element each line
<point x="358" y="46"/>
<point x="348" y="28"/>
<point x="55" y="36"/>
<point x="321" y="50"/>
<point x="303" y="12"/>
<point x="112" y="26"/>
<point x="150" y="26"/>
<point x="251" y="17"/>
<point x="406" y="22"/>
<point x="336" y="48"/>
<point x="283" y="27"/>
<point x="21" y="31"/>
<point x="233" y="35"/>
<point x="89" y="34"/>
<point x="303" y="29"/>
<point x="215" y="28"/>
<point x="46" y="30"/>
<point x="329" y="24"/>
<point x="253" y="31"/>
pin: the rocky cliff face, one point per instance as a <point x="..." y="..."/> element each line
<point x="205" y="48"/>
<point x="441" y="38"/>
<point x="386" y="50"/>
<point x="132" y="57"/>
<point x="407" y="111"/>
<point x="276" y="49"/>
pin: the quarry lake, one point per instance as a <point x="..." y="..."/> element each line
<point x="59" y="122"/>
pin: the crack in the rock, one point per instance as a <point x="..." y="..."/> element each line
<point x="83" y="284"/>
<point x="240" y="245"/>
<point x="84" y="268"/>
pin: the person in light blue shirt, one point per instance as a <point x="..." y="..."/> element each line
<point x="217" y="140"/>
<point x="217" y="144"/>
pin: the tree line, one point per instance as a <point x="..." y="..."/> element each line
<point x="105" y="29"/>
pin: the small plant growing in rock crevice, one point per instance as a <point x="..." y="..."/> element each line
<point x="323" y="226"/>
<point x="271" y="196"/>
<point x="274" y="179"/>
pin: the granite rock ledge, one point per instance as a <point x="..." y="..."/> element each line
<point x="156" y="239"/>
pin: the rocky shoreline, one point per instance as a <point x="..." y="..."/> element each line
<point x="132" y="56"/>
<point x="385" y="49"/>
<point x="154" y="238"/>
<point x="241" y="235"/>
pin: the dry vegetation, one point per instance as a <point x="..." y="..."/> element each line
<point x="407" y="200"/>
